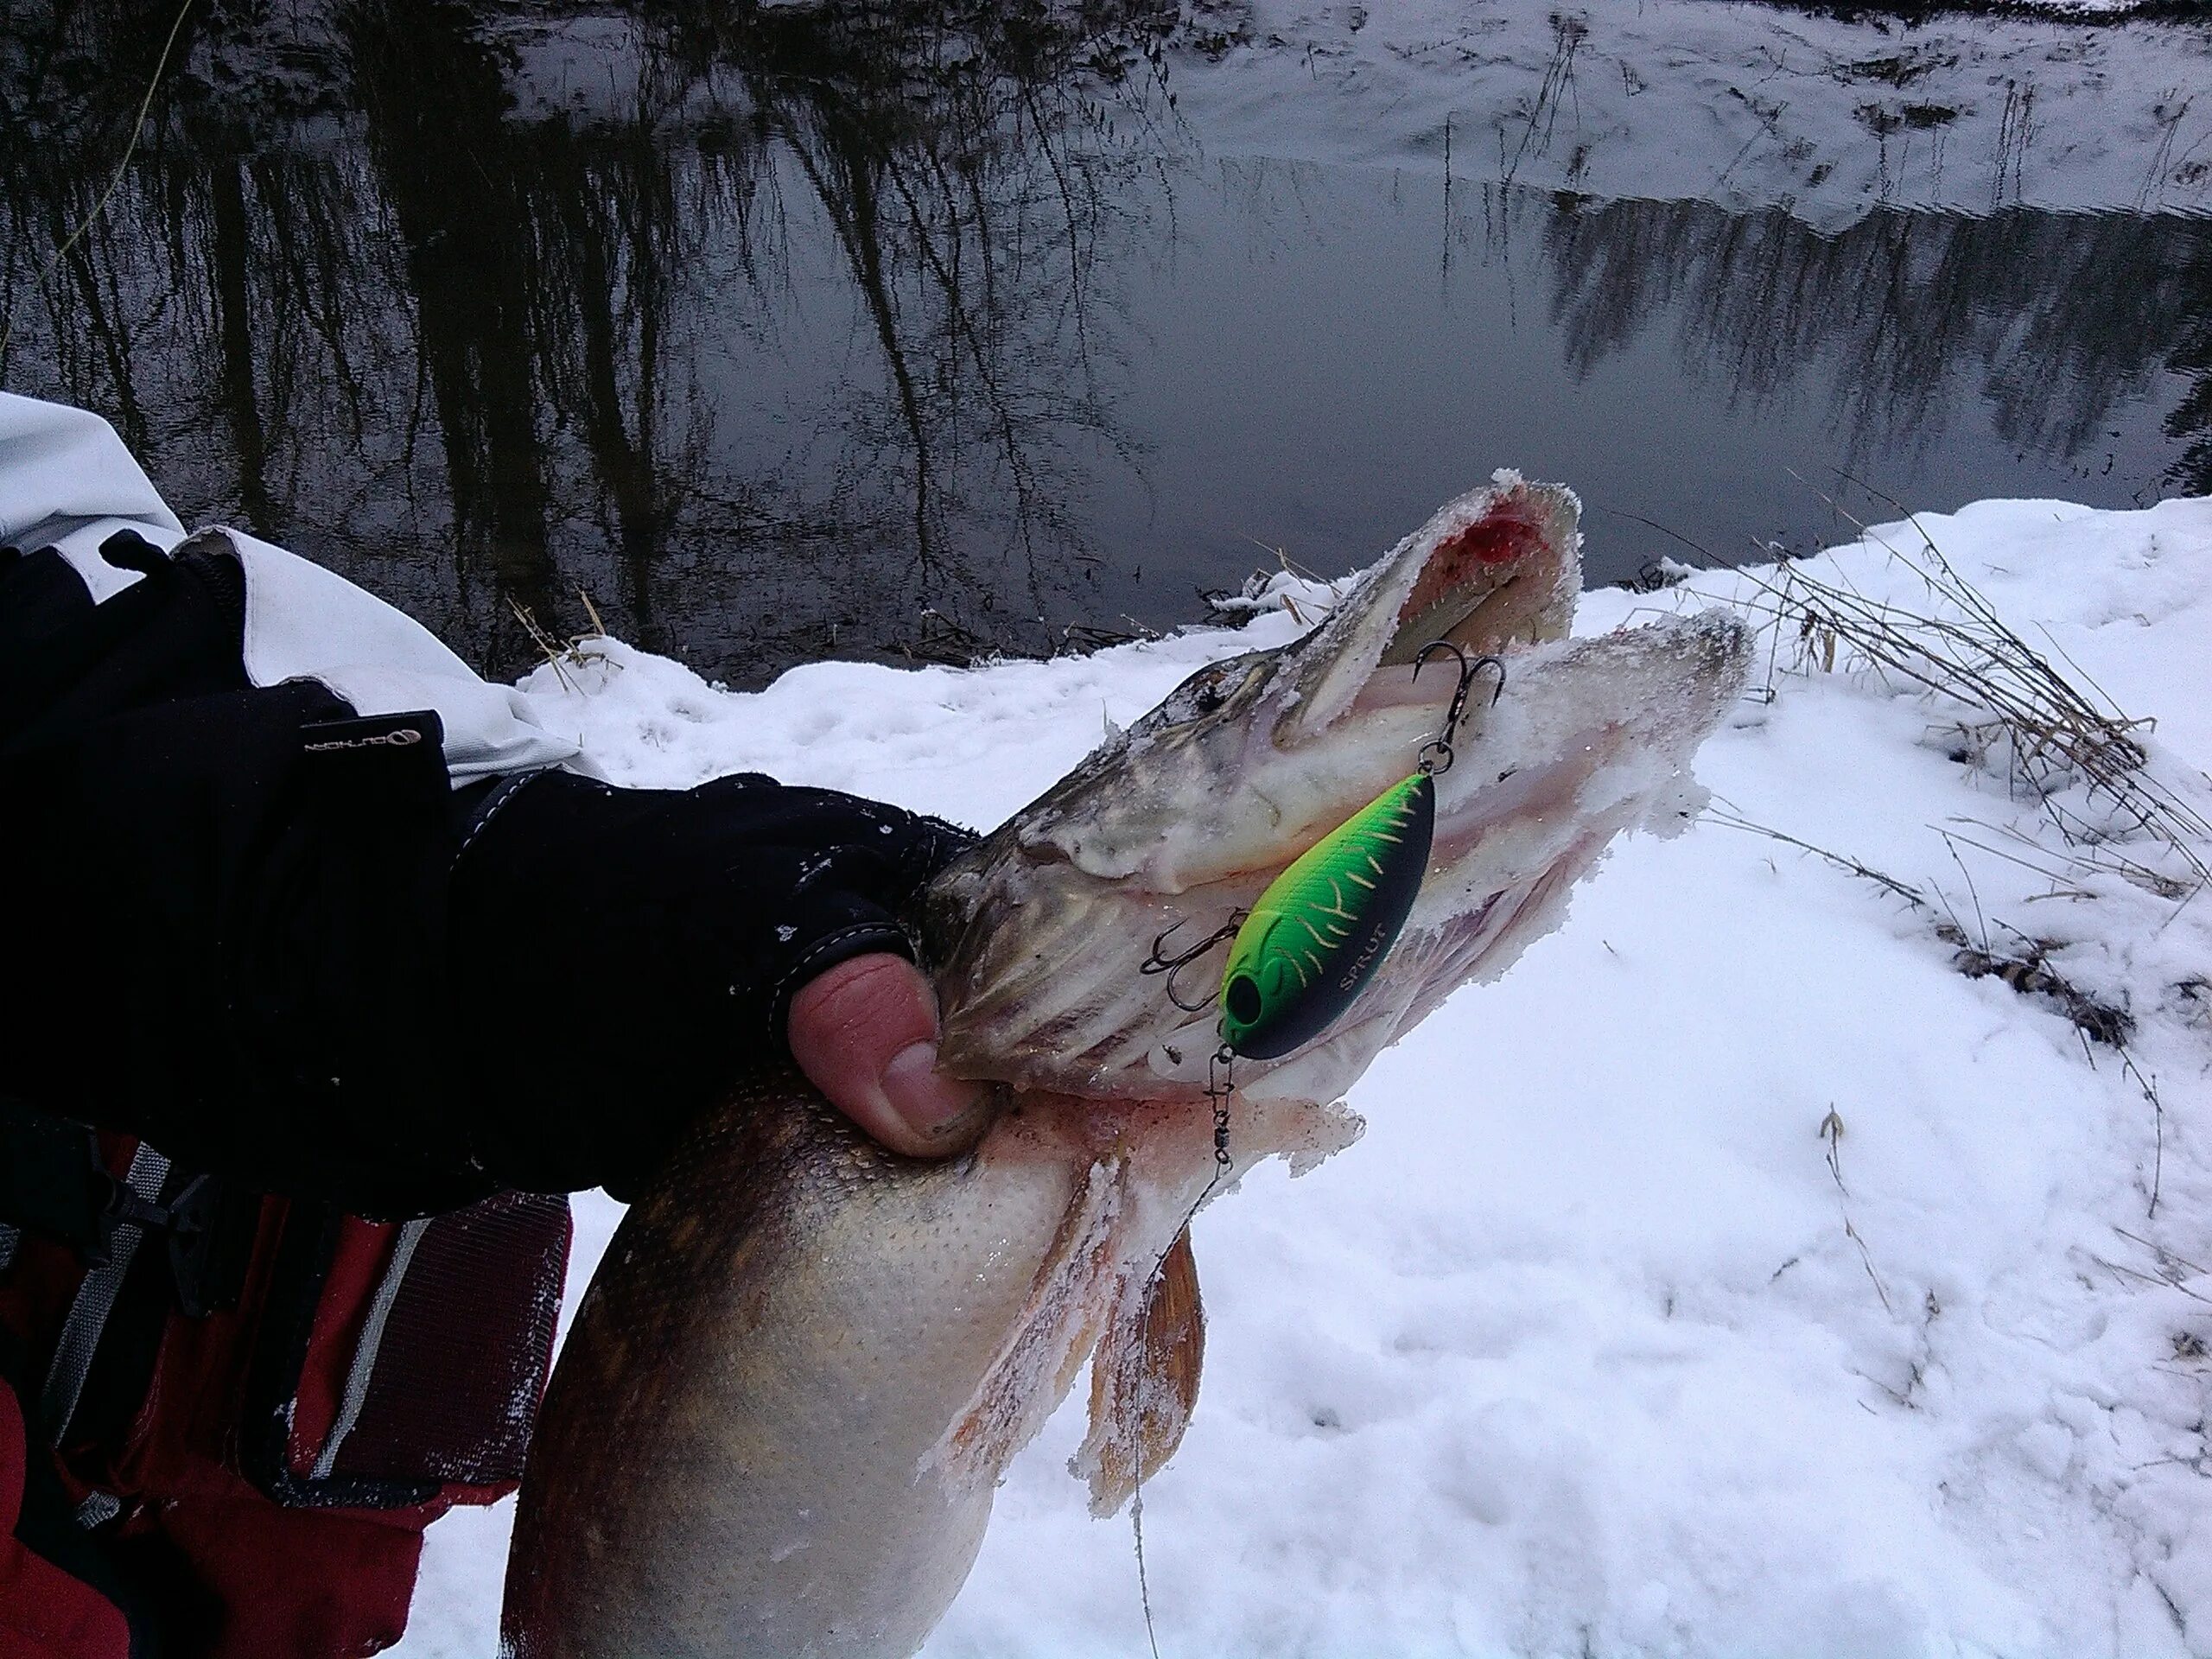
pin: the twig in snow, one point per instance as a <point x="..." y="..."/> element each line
<point x="557" y="651"/>
<point x="1734" y="820"/>
<point x="2167" y="1259"/>
<point x="2141" y="1277"/>
<point x="598" y="627"/>
<point x="2027" y="971"/>
<point x="1972" y="893"/>
<point x="548" y="647"/>
<point x="1832" y="1132"/>
<point x="1252" y="598"/>
<point x="1999" y="852"/>
<point x="2149" y="1088"/>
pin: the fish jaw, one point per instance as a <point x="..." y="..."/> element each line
<point x="1038" y="936"/>
<point x="1266" y="749"/>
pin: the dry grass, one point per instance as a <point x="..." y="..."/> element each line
<point x="2057" y="739"/>
<point x="2024" y="964"/>
<point x="2047" y="730"/>
<point x="1238" y="609"/>
<point x="577" y="651"/>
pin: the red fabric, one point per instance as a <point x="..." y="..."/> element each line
<point x="357" y="1268"/>
<point x="465" y="1339"/>
<point x="296" y="1584"/>
<point x="45" y="1613"/>
<point x="300" y="1583"/>
<point x="176" y="1445"/>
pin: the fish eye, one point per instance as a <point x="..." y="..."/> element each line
<point x="1205" y="692"/>
<point x="1201" y="694"/>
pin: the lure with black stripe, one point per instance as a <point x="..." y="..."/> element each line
<point x="1323" y="926"/>
<point x="1316" y="935"/>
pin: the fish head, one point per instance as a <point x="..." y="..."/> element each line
<point x="1040" y="936"/>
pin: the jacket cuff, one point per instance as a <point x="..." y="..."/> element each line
<point x="862" y="938"/>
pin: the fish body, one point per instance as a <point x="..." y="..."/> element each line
<point x="802" y="1367"/>
<point x="781" y="1331"/>
<point x="805" y="1363"/>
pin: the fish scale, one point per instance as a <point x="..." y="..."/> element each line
<point x="695" y="1402"/>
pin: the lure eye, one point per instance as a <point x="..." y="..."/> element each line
<point x="1241" y="999"/>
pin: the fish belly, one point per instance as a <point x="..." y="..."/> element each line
<point x="777" y="1424"/>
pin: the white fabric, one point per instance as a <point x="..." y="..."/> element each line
<point x="303" y="622"/>
<point x="81" y="547"/>
<point x="65" y="479"/>
<point x="64" y="474"/>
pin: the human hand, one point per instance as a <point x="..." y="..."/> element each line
<point x="865" y="1033"/>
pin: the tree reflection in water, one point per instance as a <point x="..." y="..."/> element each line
<point x="2061" y="317"/>
<point x="472" y="350"/>
<point x="790" y="330"/>
<point x="2190" y="423"/>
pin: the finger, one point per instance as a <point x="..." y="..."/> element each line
<point x="865" y="1033"/>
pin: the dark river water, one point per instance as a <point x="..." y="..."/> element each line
<point x="923" y="331"/>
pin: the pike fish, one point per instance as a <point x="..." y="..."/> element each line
<point x="805" y="1363"/>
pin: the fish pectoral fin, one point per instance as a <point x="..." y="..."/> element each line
<point x="1144" y="1379"/>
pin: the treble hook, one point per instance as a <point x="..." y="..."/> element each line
<point x="1436" y="754"/>
<point x="1158" y="962"/>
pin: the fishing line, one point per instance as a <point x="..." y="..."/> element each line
<point x="131" y="149"/>
<point x="1136" y="1529"/>
<point x="1220" y="1084"/>
<point x="1302" y="954"/>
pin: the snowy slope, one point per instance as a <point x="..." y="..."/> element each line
<point x="2076" y="105"/>
<point x="1736" y="1277"/>
<point x="1747" y="105"/>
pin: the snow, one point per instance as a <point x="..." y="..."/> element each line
<point x="1748" y="106"/>
<point x="1734" y="1277"/>
<point x="2074" y="106"/>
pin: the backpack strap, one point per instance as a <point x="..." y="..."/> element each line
<point x="95" y="1300"/>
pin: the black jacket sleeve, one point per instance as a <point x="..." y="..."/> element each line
<point x="624" y="954"/>
<point x="266" y="935"/>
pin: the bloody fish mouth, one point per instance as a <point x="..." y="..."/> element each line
<point x="1481" y="585"/>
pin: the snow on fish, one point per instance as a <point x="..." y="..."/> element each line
<point x="805" y="1363"/>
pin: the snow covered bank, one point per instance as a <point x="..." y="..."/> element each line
<point x="1746" y="105"/>
<point x="2076" y="105"/>
<point x="1737" y="1277"/>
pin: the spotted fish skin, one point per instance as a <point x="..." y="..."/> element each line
<point x="803" y="1363"/>
<point x="733" y="1461"/>
<point x="1323" y="926"/>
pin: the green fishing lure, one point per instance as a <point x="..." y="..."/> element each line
<point x="1316" y="935"/>
<point x="1323" y="925"/>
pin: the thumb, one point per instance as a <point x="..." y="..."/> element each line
<point x="865" y="1033"/>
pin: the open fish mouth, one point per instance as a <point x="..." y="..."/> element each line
<point x="1040" y="936"/>
<point x="1182" y="821"/>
